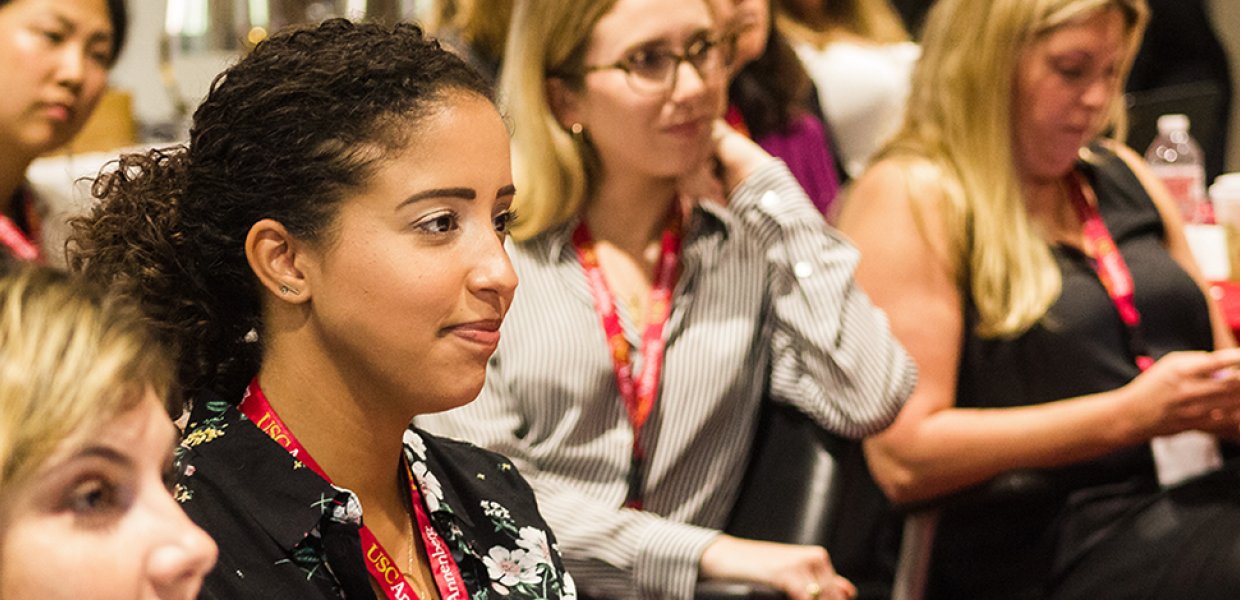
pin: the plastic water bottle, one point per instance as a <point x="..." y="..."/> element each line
<point x="1176" y="158"/>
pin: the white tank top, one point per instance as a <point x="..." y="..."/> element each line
<point x="863" y="89"/>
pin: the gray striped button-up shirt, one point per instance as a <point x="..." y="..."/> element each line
<point x="766" y="294"/>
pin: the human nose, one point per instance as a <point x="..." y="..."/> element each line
<point x="183" y="555"/>
<point x="1098" y="94"/>
<point x="493" y="276"/>
<point x="71" y="67"/>
<point x="687" y="80"/>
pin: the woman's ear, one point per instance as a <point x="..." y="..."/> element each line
<point x="277" y="259"/>
<point x="564" y="102"/>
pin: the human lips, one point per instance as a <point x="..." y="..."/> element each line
<point x="690" y="127"/>
<point x="483" y="333"/>
<point x="58" y="111"/>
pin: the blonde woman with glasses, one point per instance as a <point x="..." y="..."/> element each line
<point x="659" y="306"/>
<point x="1072" y="364"/>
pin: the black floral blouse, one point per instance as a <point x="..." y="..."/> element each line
<point x="284" y="532"/>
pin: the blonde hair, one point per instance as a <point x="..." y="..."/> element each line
<point x="70" y="361"/>
<point x="483" y="24"/>
<point x="549" y="38"/>
<point x="872" y="20"/>
<point x="959" y="122"/>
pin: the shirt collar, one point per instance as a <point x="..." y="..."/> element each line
<point x="706" y="219"/>
<point x="283" y="496"/>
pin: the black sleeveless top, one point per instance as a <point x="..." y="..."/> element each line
<point x="1000" y="539"/>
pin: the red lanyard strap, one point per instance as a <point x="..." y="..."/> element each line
<point x="19" y="244"/>
<point x="639" y="396"/>
<point x="1109" y="264"/>
<point x="379" y="562"/>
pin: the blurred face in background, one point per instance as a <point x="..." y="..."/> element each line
<point x="1064" y="87"/>
<point x="645" y="110"/>
<point x="752" y="25"/>
<point x="98" y="520"/>
<point x="54" y="60"/>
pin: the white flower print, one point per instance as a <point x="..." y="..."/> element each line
<point x="569" y="591"/>
<point x="415" y="442"/>
<point x="432" y="492"/>
<point x="534" y="541"/>
<point x="510" y="568"/>
<point x="495" y="510"/>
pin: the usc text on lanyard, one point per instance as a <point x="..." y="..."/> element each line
<point x="380" y="563"/>
<point x="20" y="245"/>
<point x="639" y="396"/>
<point x="1109" y="264"/>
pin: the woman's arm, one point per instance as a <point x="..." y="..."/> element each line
<point x="935" y="448"/>
<point x="832" y="353"/>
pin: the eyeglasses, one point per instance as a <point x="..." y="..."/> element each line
<point x="653" y="71"/>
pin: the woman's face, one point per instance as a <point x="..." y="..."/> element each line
<point x="410" y="292"/>
<point x="98" y="520"/>
<point x="661" y="134"/>
<point x="752" y="25"/>
<point x="54" y="59"/>
<point x="1064" y="87"/>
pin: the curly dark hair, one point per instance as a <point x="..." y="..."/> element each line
<point x="284" y="134"/>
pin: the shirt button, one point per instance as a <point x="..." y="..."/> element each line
<point x="802" y="269"/>
<point x="770" y="200"/>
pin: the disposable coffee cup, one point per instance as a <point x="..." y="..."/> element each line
<point x="1225" y="196"/>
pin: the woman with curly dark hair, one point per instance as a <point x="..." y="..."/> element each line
<point x="327" y="257"/>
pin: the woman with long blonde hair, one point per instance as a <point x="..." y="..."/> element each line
<point x="1070" y="356"/>
<point x="658" y="305"/>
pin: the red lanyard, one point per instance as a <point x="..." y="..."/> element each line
<point x="1108" y="263"/>
<point x="639" y="397"/>
<point x="734" y="118"/>
<point x="381" y="565"/>
<point x="19" y="244"/>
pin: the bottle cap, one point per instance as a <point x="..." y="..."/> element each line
<point x="1169" y="123"/>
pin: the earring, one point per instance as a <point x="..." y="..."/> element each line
<point x="576" y="129"/>
<point x="286" y="290"/>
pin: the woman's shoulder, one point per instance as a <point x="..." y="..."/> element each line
<point x="901" y="201"/>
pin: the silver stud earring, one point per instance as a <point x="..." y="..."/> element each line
<point x="286" y="290"/>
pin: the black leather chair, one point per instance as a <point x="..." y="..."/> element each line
<point x="806" y="486"/>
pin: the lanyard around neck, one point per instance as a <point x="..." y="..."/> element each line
<point x="379" y="562"/>
<point x="24" y="247"/>
<point x="639" y="396"/>
<point x="1109" y="264"/>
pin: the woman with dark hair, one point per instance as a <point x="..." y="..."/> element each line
<point x="54" y="61"/>
<point x="772" y="99"/>
<point x="327" y="258"/>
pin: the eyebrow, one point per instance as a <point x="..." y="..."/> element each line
<point x="111" y="455"/>
<point x="67" y="23"/>
<point x="462" y="193"/>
